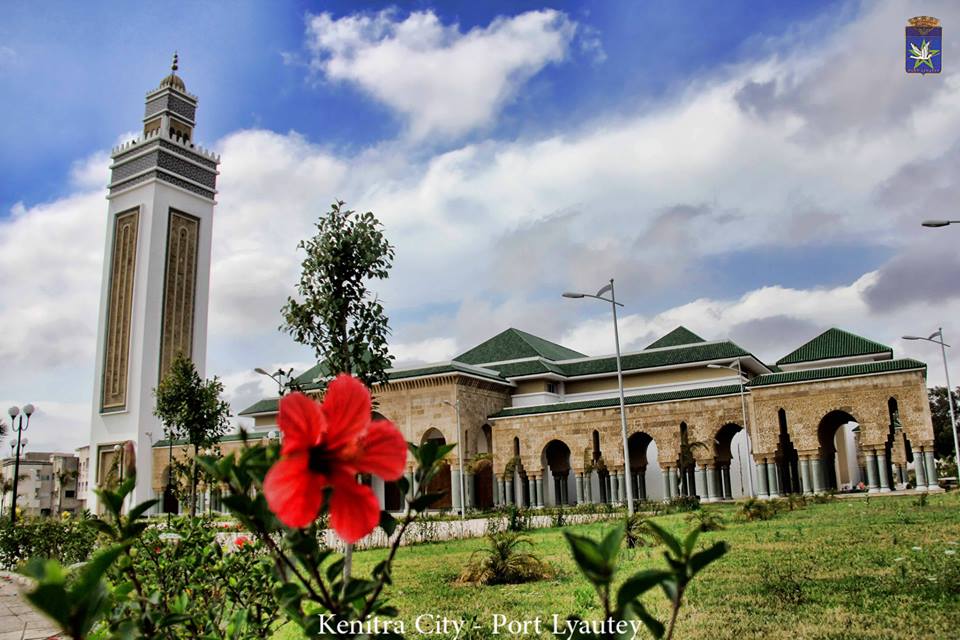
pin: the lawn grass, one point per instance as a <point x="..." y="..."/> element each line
<point x="846" y="569"/>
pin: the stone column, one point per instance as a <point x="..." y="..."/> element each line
<point x="931" y="470"/>
<point x="642" y="484"/>
<point x="612" y="488"/>
<point x="919" y="470"/>
<point x="700" y="482"/>
<point x="411" y="484"/>
<point x="540" y="487"/>
<point x="806" y="486"/>
<point x="588" y="487"/>
<point x="884" y="471"/>
<point x="711" y="473"/>
<point x="532" y="489"/>
<point x="727" y="485"/>
<point x="773" y="479"/>
<point x="816" y="474"/>
<point x="762" y="490"/>
<point x="508" y="490"/>
<point x="579" y="488"/>
<point x="871" y="458"/>
<point x="622" y="486"/>
<point x="674" y="483"/>
<point x="665" y="472"/>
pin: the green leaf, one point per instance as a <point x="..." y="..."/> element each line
<point x="590" y="558"/>
<point x="705" y="557"/>
<point x="691" y="541"/>
<point x="141" y="509"/>
<point x="666" y="538"/>
<point x="388" y="523"/>
<point x="610" y="545"/>
<point x="335" y="569"/>
<point x="94" y="569"/>
<point x="654" y="626"/>
<point x="638" y="584"/>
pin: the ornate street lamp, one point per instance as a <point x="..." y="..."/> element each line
<point x="628" y="475"/>
<point x="19" y="422"/>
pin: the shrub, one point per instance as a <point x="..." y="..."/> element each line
<point x="517" y="519"/>
<point x="636" y="532"/>
<point x="706" y="520"/>
<point x="754" y="509"/>
<point x="824" y="498"/>
<point x="502" y="562"/>
<point x="559" y="519"/>
<point x="68" y="541"/>
<point x="921" y="501"/>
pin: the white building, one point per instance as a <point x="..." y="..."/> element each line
<point x="47" y="483"/>
<point x="156" y="277"/>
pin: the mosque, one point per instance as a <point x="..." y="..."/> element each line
<point x="539" y="423"/>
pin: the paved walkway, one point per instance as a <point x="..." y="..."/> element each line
<point x="18" y="620"/>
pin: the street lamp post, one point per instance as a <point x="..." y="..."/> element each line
<point x="946" y="372"/>
<point x="19" y="422"/>
<point x="279" y="376"/>
<point x="628" y="476"/>
<point x="743" y="409"/>
<point x="460" y="446"/>
<point x="939" y="223"/>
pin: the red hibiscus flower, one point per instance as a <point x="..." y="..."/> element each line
<point x="240" y="541"/>
<point x="327" y="446"/>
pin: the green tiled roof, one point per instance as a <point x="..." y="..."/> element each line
<point x="267" y="405"/>
<point x="659" y="358"/>
<point x="514" y="344"/>
<point x="883" y="366"/>
<point x="666" y="396"/>
<point x="679" y="336"/>
<point x="834" y="343"/>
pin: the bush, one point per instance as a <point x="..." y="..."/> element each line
<point x="637" y="533"/>
<point x="68" y="541"/>
<point x="781" y="584"/>
<point x="754" y="509"/>
<point x="706" y="520"/>
<point x="503" y="563"/>
<point x="517" y="519"/>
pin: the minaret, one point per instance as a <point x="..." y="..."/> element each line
<point x="156" y="277"/>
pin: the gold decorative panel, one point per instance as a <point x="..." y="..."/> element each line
<point x="179" y="288"/>
<point x="117" y="348"/>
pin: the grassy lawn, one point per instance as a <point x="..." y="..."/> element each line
<point x="847" y="569"/>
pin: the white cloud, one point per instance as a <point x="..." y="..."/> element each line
<point x="442" y="81"/>
<point x="423" y="351"/>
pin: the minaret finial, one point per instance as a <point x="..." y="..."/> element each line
<point x="175" y="66"/>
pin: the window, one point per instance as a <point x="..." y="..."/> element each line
<point x="70" y="493"/>
<point x="551" y="387"/>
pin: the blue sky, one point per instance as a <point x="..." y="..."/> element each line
<point x="754" y="170"/>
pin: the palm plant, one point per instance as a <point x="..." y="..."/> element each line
<point x="502" y="562"/>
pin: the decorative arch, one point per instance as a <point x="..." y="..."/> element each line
<point x="839" y="450"/>
<point x="787" y="458"/>
<point x="441" y="482"/>
<point x="638" y="444"/>
<point x="556" y="462"/>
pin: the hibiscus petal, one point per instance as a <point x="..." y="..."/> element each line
<point x="354" y="510"/>
<point x="383" y="451"/>
<point x="346" y="406"/>
<point x="302" y="422"/>
<point x="293" y="493"/>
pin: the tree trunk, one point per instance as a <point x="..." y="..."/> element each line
<point x="193" y="482"/>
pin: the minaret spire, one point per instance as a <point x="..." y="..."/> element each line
<point x="175" y="65"/>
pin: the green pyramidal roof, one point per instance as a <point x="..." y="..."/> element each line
<point x="834" y="343"/>
<point x="679" y="336"/>
<point x="514" y="344"/>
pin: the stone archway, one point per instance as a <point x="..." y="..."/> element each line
<point x="483" y="480"/>
<point x="442" y="481"/>
<point x="839" y="451"/>
<point x="638" y="444"/>
<point x="556" y="464"/>
<point x="730" y="439"/>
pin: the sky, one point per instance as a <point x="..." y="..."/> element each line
<point x="753" y="171"/>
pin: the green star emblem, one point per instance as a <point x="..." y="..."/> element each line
<point x="923" y="54"/>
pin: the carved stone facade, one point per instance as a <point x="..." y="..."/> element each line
<point x="179" y="289"/>
<point x="123" y="268"/>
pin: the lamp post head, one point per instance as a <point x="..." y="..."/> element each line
<point x="28" y="409"/>
<point x="913" y="338"/>
<point x="260" y="371"/>
<point x="935" y="223"/>
<point x="13" y="411"/>
<point x="572" y="294"/>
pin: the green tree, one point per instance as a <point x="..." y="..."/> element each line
<point x="191" y="409"/>
<point x="940" y="412"/>
<point x="336" y="314"/>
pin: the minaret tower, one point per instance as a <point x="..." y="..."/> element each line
<point x="156" y="277"/>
